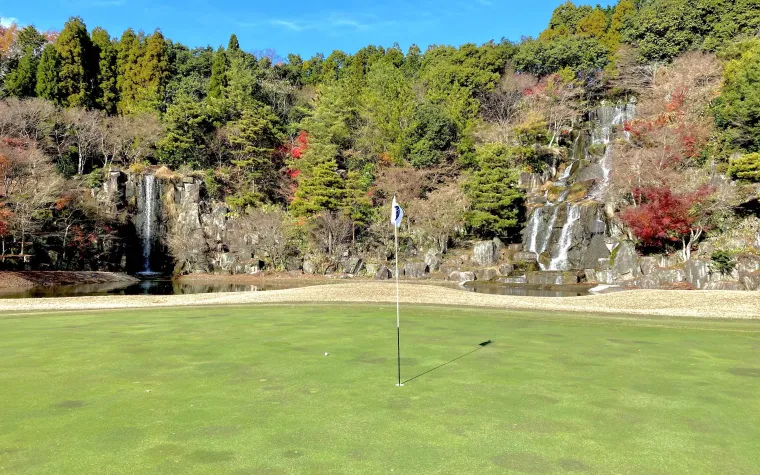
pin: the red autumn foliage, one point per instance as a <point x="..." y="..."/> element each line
<point x="663" y="216"/>
<point x="5" y="215"/>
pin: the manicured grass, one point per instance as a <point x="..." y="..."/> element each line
<point x="249" y="390"/>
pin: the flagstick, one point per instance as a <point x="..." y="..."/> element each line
<point x="398" y="318"/>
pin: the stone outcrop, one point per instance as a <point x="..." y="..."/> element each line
<point x="383" y="274"/>
<point x="624" y="262"/>
<point x="433" y="259"/>
<point x="462" y="277"/>
<point x="751" y="280"/>
<point x="488" y="273"/>
<point x="697" y="272"/>
<point x="485" y="253"/>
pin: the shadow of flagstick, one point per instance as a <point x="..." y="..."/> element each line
<point x="480" y="347"/>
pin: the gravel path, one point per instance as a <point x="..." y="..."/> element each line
<point x="706" y="304"/>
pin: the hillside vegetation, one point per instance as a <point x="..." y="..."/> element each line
<point x="307" y="151"/>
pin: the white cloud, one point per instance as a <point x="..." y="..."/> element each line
<point x="7" y="21"/>
<point x="291" y="25"/>
<point x="328" y="22"/>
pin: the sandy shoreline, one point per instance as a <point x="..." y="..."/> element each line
<point x="703" y="304"/>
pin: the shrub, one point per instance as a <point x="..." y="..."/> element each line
<point x="746" y="167"/>
<point x="723" y="262"/>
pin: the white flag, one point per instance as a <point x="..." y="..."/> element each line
<point x="397" y="214"/>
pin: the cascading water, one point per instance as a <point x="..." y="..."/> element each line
<point x="147" y="209"/>
<point x="534" y="226"/>
<point x="608" y="120"/>
<point x="562" y="262"/>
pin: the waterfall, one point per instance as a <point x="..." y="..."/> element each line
<point x="147" y="208"/>
<point x="549" y="228"/>
<point x="608" y="119"/>
<point x="562" y="262"/>
<point x="534" y="225"/>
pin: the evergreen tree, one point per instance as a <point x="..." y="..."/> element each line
<point x="493" y="193"/>
<point x="737" y="109"/>
<point x="219" y="73"/>
<point x="233" y="46"/>
<point x="322" y="189"/>
<point x="77" y="66"/>
<point x="21" y="81"/>
<point x="130" y="49"/>
<point x="153" y="73"/>
<point x="253" y="140"/>
<point x="106" y="93"/>
<point x="47" y="74"/>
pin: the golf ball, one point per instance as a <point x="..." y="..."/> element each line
<point x="326" y="353"/>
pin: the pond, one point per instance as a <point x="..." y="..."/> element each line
<point x="147" y="287"/>
<point x="164" y="286"/>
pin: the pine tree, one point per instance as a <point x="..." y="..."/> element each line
<point x="77" y="66"/>
<point x="106" y="93"/>
<point x="47" y="74"/>
<point x="127" y="80"/>
<point x="219" y="75"/>
<point x="321" y="190"/>
<point x="493" y="192"/>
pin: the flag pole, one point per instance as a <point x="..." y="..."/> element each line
<point x="398" y="318"/>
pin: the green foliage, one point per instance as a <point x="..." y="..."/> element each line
<point x="579" y="54"/>
<point x="746" y="167"/>
<point x="432" y="135"/>
<point x="722" y="262"/>
<point x="737" y="110"/>
<point x="95" y="178"/>
<point x="106" y="92"/>
<point x="47" y="74"/>
<point x="493" y="193"/>
<point x="321" y="190"/>
<point x="188" y="124"/>
<point x="78" y="65"/>
<point x="21" y="81"/>
<point x="128" y="63"/>
<point x="219" y="71"/>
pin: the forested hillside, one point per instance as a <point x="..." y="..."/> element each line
<point x="304" y="152"/>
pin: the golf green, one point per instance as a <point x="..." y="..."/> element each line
<point x="250" y="390"/>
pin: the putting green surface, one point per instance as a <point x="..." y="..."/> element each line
<point x="250" y="390"/>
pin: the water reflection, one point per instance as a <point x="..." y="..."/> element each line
<point x="525" y="290"/>
<point x="144" y="287"/>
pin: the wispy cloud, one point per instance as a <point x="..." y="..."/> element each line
<point x="291" y="25"/>
<point x="327" y="22"/>
<point x="7" y="21"/>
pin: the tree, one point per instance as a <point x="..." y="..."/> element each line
<point x="188" y="124"/>
<point x="233" y="45"/>
<point x="84" y="128"/>
<point x="664" y="217"/>
<point x="737" y="110"/>
<point x="746" y="167"/>
<point x="322" y="189"/>
<point x="493" y="193"/>
<point x="47" y="74"/>
<point x="440" y="216"/>
<point x="432" y="136"/>
<point x="153" y="73"/>
<point x="268" y="229"/>
<point x="21" y="81"/>
<point x="130" y="50"/>
<point x="78" y="65"/>
<point x="106" y="92"/>
<point x="218" y="82"/>
<point x="253" y="140"/>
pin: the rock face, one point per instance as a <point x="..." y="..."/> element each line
<point x="352" y="265"/>
<point x="597" y="249"/>
<point x="666" y="275"/>
<point x="552" y="278"/>
<point x="625" y="262"/>
<point x="485" y="253"/>
<point x="415" y="270"/>
<point x="751" y="281"/>
<point x="489" y="273"/>
<point x="697" y="272"/>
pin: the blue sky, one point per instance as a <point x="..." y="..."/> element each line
<point x="298" y="26"/>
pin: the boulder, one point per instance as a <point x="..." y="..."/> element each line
<point x="649" y="281"/>
<point x="506" y="269"/>
<point x="371" y="269"/>
<point x="697" y="272"/>
<point x="310" y="267"/>
<point x="747" y="263"/>
<point x="723" y="285"/>
<point x="751" y="281"/>
<point x="498" y="243"/>
<point x="293" y="264"/>
<point x="433" y="259"/>
<point x="352" y="265"/>
<point x="625" y="261"/>
<point x="525" y="257"/>
<point x="705" y="249"/>
<point x="415" y="270"/>
<point x="462" y="277"/>
<point x="670" y="275"/>
<point x="484" y="253"/>
<point x="227" y="261"/>
<point x="590" y="275"/>
<point x="597" y="249"/>
<point x="383" y="273"/>
<point x="489" y="273"/>
<point x="648" y="264"/>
